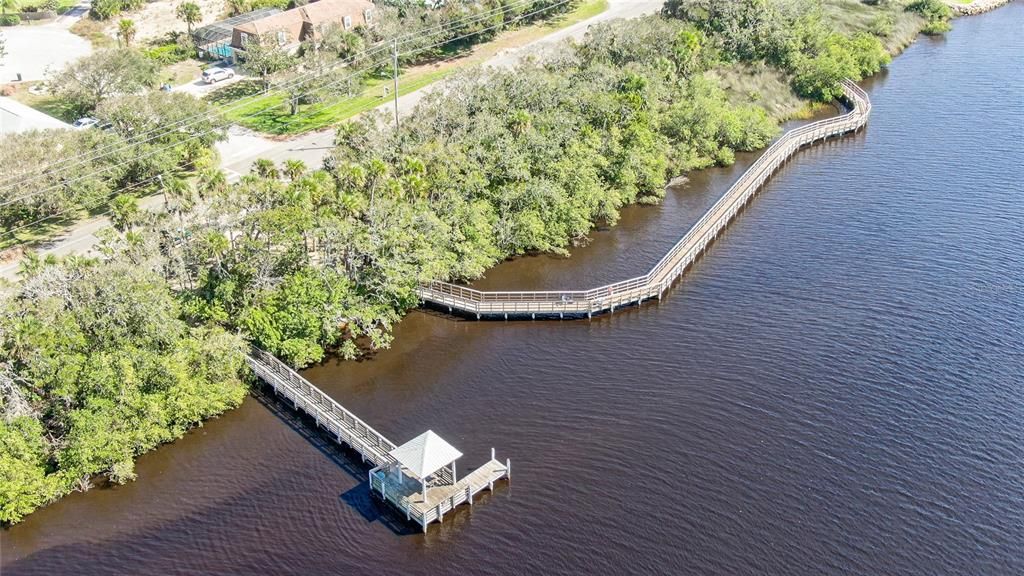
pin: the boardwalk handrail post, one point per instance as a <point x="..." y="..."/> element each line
<point x="696" y="240"/>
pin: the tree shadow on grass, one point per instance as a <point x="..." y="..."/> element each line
<point x="235" y="92"/>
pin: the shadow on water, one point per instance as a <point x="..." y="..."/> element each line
<point x="359" y="498"/>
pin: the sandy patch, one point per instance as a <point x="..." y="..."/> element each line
<point x="156" y="19"/>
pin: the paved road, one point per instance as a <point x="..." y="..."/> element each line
<point x="244" y="147"/>
<point x="33" y="49"/>
<point x="313" y="147"/>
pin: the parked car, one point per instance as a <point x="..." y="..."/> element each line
<point x="83" y="123"/>
<point x="216" y="74"/>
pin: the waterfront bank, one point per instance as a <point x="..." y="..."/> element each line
<point x="834" y="391"/>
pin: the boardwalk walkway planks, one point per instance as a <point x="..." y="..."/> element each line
<point x="608" y="298"/>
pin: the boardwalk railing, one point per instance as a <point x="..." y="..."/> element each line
<point x="330" y="415"/>
<point x="445" y="493"/>
<point x="549" y="303"/>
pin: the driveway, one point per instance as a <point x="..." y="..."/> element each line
<point x="199" y="89"/>
<point x="243" y="147"/>
<point x="32" y="50"/>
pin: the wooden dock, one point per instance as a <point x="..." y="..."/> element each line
<point x="443" y="497"/>
<point x="444" y="493"/>
<point x="608" y="298"/>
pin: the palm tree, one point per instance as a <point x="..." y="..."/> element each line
<point x="126" y="31"/>
<point x="124" y="212"/>
<point x="190" y="13"/>
<point x="32" y="263"/>
<point x="294" y="169"/>
<point x="212" y="183"/>
<point x="265" y="169"/>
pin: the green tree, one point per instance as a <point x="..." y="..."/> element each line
<point x="124" y="212"/>
<point x="190" y="13"/>
<point x="936" y="12"/>
<point x="6" y="5"/>
<point x="264" y="58"/>
<point x="24" y="485"/>
<point x="112" y="371"/>
<point x="85" y="83"/>
<point x="294" y="169"/>
<point x="126" y="31"/>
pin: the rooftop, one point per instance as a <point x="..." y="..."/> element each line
<point x="219" y="31"/>
<point x="425" y="454"/>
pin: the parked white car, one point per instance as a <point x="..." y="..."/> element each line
<point x="83" y="123"/>
<point x="216" y="74"/>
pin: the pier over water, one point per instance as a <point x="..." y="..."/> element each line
<point x="608" y="298"/>
<point x="418" y="477"/>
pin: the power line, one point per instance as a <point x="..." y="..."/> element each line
<point x="297" y="81"/>
<point x="255" y="112"/>
<point x="137" y="185"/>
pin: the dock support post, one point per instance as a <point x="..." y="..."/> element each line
<point x="424" y="519"/>
<point x="533" y="316"/>
<point x="508" y="468"/>
<point x="477" y="315"/>
<point x="469" y="495"/>
<point x="492" y="453"/>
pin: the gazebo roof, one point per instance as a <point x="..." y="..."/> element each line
<point x="425" y="454"/>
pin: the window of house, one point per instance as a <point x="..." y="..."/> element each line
<point x="282" y="37"/>
<point x="348" y="22"/>
<point x="368" y="15"/>
<point x="244" y="39"/>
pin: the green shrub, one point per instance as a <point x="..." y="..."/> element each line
<point x="9" y="19"/>
<point x="883" y="25"/>
<point x="936" y="12"/>
<point x="107" y="9"/>
<point x="819" y="76"/>
<point x="170" y="53"/>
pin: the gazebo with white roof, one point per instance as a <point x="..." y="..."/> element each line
<point x="424" y="456"/>
<point x="419" y="478"/>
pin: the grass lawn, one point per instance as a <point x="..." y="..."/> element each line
<point x="45" y="103"/>
<point x="271" y="114"/>
<point x="181" y="72"/>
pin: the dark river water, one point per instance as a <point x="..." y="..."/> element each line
<point x="837" y="387"/>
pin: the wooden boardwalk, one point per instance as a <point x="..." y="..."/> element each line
<point x="441" y="498"/>
<point x="608" y="298"/>
<point x="373" y="447"/>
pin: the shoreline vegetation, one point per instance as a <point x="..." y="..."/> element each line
<point x="103" y="359"/>
<point x="96" y="85"/>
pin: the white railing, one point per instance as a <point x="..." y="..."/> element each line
<point x="679" y="257"/>
<point x="345" y="425"/>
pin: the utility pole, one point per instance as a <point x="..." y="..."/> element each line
<point x="395" y="74"/>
